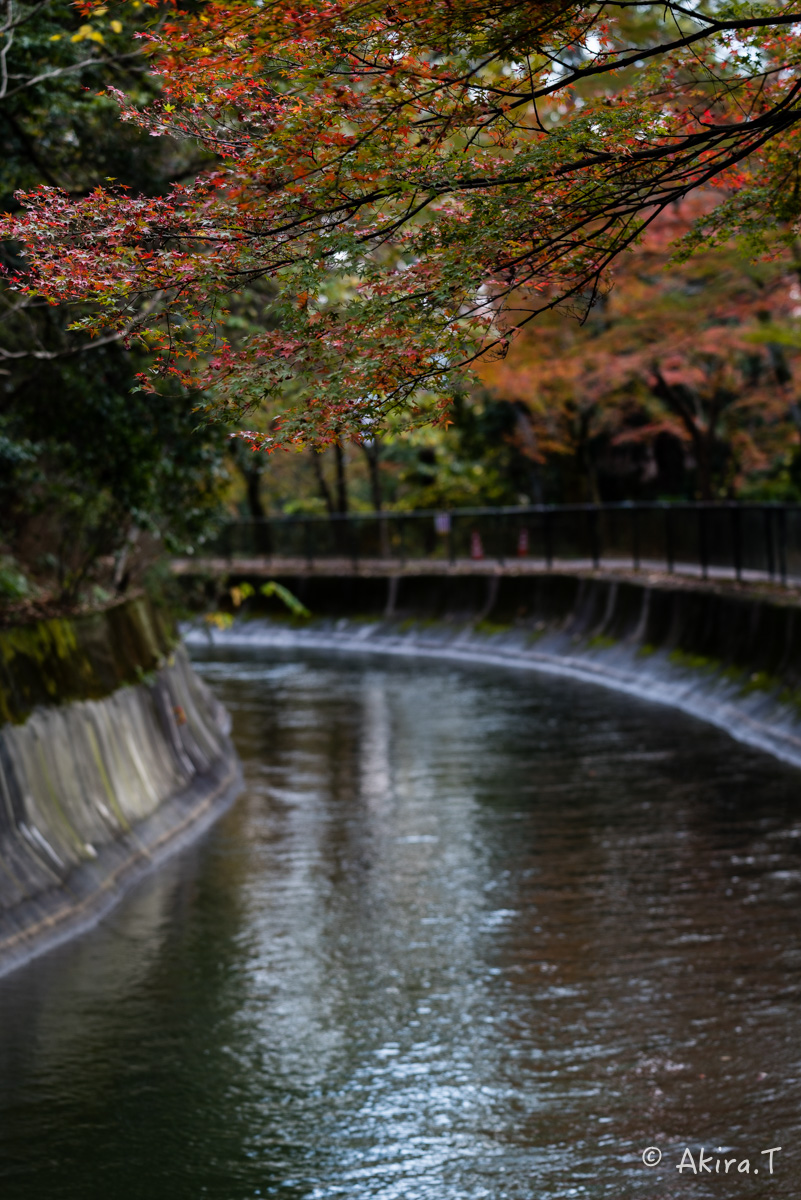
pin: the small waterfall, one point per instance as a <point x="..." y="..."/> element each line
<point x="726" y="659"/>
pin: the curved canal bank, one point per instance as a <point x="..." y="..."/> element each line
<point x="113" y="753"/>
<point x="725" y="655"/>
<point x="468" y="934"/>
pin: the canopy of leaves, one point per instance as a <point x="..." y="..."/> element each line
<point x="415" y="181"/>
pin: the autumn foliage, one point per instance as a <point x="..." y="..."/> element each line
<point x="685" y="373"/>
<point x="405" y="185"/>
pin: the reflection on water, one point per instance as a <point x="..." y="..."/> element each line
<point x="465" y="935"/>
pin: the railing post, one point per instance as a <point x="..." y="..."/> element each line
<point x="351" y="536"/>
<point x="610" y="525"/>
<point x="547" y="528"/>
<point x="383" y="536"/>
<point x="595" y="547"/>
<point x="670" y="557"/>
<point x="352" y="529"/>
<point x="703" y="548"/>
<point x="737" y="541"/>
<point x="782" y="514"/>
<point x="769" y="542"/>
<point x="263" y="541"/>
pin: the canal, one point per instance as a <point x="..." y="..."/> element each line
<point x="465" y="935"/>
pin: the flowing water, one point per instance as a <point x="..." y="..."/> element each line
<point x="465" y="934"/>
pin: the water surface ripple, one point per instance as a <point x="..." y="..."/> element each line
<point x="465" y="935"/>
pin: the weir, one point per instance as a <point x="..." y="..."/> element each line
<point x="113" y="752"/>
<point x="728" y="655"/>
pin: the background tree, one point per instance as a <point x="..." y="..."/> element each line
<point x="681" y="384"/>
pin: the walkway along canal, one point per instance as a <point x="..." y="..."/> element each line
<point x="708" y="540"/>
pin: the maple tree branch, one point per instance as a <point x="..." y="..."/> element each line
<point x="118" y="335"/>
<point x="643" y="53"/>
<point x="27" y="15"/>
<point x="57" y="72"/>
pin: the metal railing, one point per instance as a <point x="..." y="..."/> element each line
<point x="717" y="539"/>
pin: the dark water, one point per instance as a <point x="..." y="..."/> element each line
<point x="466" y="935"/>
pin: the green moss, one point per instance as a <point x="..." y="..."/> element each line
<point x="410" y="623"/>
<point x="759" y="681"/>
<point x="792" y="698"/>
<point x="646" y="650"/>
<point x="696" y="662"/>
<point x="491" y="627"/>
<point x="601" y="642"/>
<point x="40" y="642"/>
<point x="81" y="658"/>
<point x="275" y="616"/>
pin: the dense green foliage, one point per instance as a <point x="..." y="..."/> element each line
<point x="94" y="476"/>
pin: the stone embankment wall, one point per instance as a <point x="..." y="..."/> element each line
<point x="726" y="655"/>
<point x="112" y="753"/>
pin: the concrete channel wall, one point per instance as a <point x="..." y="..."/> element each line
<point x="112" y="754"/>
<point x="726" y="655"/>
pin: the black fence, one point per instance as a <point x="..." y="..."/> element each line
<point x="739" y="540"/>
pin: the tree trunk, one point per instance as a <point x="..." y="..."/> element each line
<point x="586" y="466"/>
<point x="322" y="484"/>
<point x="702" y="446"/>
<point x="526" y="442"/>
<point x="342" y="483"/>
<point x="372" y="452"/>
<point x="535" y="484"/>
<point x="679" y="400"/>
<point x="253" y="490"/>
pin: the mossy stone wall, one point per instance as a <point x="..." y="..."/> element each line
<point x="65" y="659"/>
<point x="112" y="752"/>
